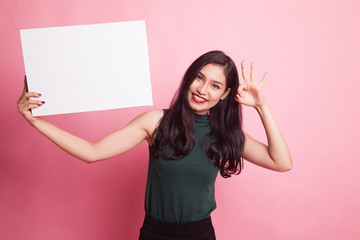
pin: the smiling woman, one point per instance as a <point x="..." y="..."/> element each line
<point x="208" y="88"/>
<point x="197" y="137"/>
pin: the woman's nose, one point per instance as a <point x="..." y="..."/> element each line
<point x="202" y="89"/>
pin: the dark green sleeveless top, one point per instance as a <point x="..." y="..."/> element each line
<point x="180" y="191"/>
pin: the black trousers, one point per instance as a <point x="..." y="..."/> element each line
<point x="156" y="230"/>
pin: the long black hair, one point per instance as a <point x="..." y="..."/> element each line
<point x="174" y="138"/>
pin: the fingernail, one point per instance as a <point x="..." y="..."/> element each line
<point x="39" y="94"/>
<point x="42" y="102"/>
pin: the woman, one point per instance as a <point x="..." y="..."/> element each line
<point x="199" y="135"/>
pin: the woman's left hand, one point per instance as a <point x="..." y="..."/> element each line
<point x="250" y="93"/>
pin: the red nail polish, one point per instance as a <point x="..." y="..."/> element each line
<point x="39" y="94"/>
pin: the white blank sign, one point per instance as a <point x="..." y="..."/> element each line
<point x="88" y="67"/>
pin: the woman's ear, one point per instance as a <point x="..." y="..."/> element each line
<point x="225" y="94"/>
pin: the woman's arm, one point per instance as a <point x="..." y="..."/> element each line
<point x="275" y="155"/>
<point x="139" y="129"/>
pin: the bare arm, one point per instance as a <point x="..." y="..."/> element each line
<point x="275" y="155"/>
<point x="139" y="129"/>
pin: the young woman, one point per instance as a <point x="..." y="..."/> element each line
<point x="197" y="137"/>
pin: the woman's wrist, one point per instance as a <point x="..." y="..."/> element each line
<point x="261" y="108"/>
<point x="33" y="121"/>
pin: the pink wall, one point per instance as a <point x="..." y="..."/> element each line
<point x="311" y="50"/>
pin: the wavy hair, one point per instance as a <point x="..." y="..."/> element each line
<point x="174" y="136"/>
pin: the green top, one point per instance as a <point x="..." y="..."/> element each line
<point x="179" y="191"/>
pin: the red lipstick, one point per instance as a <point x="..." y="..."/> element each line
<point x="198" y="99"/>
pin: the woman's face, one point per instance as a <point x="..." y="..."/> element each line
<point x="208" y="88"/>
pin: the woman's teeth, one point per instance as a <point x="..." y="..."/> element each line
<point x="200" y="99"/>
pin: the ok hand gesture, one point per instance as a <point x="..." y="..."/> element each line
<point x="250" y="93"/>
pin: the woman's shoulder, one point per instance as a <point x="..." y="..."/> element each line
<point x="154" y="115"/>
<point x="150" y="119"/>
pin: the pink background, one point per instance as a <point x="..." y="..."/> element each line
<point x="311" y="50"/>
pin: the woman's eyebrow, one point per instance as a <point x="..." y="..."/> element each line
<point x="220" y="83"/>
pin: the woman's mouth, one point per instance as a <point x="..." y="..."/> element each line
<point x="198" y="99"/>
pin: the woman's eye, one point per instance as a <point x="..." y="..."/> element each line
<point x="199" y="77"/>
<point x="216" y="86"/>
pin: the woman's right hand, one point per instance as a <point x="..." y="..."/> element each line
<point x="26" y="103"/>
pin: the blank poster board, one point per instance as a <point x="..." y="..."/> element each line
<point x="88" y="67"/>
